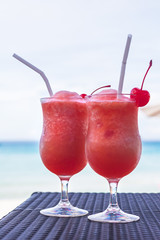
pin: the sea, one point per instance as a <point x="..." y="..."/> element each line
<point x="22" y="173"/>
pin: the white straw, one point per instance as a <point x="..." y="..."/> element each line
<point x="123" y="67"/>
<point x="36" y="70"/>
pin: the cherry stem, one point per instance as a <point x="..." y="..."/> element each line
<point x="150" y="64"/>
<point x="100" y="88"/>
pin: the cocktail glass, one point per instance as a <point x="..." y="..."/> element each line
<point x="62" y="145"/>
<point x="113" y="147"/>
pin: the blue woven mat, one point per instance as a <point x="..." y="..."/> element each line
<point x="25" y="222"/>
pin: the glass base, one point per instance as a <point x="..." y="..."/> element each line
<point x="64" y="210"/>
<point x="113" y="216"/>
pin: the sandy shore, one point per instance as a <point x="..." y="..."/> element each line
<point x="7" y="205"/>
<point x="135" y="182"/>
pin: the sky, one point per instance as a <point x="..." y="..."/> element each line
<point x="79" y="45"/>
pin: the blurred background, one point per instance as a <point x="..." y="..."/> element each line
<point x="79" y="45"/>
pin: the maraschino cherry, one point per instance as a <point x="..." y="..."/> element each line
<point x="140" y="96"/>
<point x="83" y="95"/>
<point x="99" y="89"/>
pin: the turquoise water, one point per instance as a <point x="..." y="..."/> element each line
<point x="22" y="172"/>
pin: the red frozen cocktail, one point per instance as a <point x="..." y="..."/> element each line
<point x="62" y="144"/>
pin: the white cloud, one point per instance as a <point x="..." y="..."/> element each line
<point x="79" y="45"/>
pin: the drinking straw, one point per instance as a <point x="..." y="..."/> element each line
<point x="36" y="70"/>
<point x="123" y="67"/>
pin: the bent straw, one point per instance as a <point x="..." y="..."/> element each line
<point x="36" y="70"/>
<point x="123" y="67"/>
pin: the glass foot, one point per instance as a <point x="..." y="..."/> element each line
<point x="112" y="216"/>
<point x="64" y="210"/>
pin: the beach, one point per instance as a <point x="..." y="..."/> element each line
<point x="22" y="173"/>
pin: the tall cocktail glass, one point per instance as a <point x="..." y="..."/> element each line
<point x="62" y="144"/>
<point x="113" y="147"/>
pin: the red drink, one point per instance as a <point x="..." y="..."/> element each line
<point x="113" y="142"/>
<point x="113" y="146"/>
<point x="62" y="144"/>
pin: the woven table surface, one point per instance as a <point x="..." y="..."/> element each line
<point x="25" y="221"/>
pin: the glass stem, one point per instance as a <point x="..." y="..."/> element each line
<point x="64" y="192"/>
<point x="113" y="203"/>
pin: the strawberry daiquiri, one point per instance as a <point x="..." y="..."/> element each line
<point x="113" y="142"/>
<point x="113" y="145"/>
<point x="62" y="144"/>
